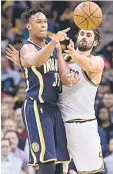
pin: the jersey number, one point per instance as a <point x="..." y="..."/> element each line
<point x="57" y="80"/>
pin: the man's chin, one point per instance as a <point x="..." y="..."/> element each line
<point x="83" y="49"/>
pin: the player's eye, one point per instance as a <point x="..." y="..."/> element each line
<point x="38" y="21"/>
<point x="82" y="33"/>
<point x="89" y="35"/>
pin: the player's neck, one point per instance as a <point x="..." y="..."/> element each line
<point x="85" y="53"/>
<point x="38" y="41"/>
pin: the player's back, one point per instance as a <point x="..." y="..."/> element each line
<point x="42" y="84"/>
<point x="78" y="101"/>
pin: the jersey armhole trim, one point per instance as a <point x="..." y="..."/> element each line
<point x="88" y="79"/>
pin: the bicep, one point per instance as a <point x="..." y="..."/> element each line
<point x="96" y="64"/>
<point x="27" y="55"/>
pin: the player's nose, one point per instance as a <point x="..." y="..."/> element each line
<point x="44" y="25"/>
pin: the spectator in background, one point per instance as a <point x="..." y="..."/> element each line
<point x="108" y="100"/>
<point x="9" y="78"/>
<point x="105" y="123"/>
<point x="109" y="159"/>
<point x="21" y="131"/>
<point x="9" y="125"/>
<point x="111" y="114"/>
<point x="9" y="162"/>
<point x="8" y="100"/>
<point x="5" y="112"/>
<point x="13" y="138"/>
<point x="53" y="26"/>
<point x="111" y="146"/>
<point x="19" y="98"/>
<point x="109" y="164"/>
<point x="103" y="138"/>
<point x="2" y="134"/>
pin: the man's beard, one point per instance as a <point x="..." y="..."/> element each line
<point x="83" y="47"/>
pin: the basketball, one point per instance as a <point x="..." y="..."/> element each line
<point x="87" y="15"/>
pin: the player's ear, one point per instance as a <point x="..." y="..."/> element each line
<point x="28" y="26"/>
<point x="95" y="43"/>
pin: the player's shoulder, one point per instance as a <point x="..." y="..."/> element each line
<point x="28" y="48"/>
<point x="98" y="58"/>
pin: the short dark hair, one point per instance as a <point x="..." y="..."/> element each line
<point x="98" y="33"/>
<point x="31" y="11"/>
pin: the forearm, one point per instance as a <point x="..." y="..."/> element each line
<point x="82" y="61"/>
<point x="63" y="71"/>
<point x="41" y="56"/>
<point x="64" y="80"/>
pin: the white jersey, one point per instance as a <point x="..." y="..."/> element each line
<point x="77" y="102"/>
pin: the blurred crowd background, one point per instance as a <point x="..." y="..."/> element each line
<point x="14" y="144"/>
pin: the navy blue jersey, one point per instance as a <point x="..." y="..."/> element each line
<point x="43" y="84"/>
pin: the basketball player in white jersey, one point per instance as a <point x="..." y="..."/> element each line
<point x="77" y="103"/>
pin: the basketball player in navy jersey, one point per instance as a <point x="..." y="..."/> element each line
<point x="40" y="58"/>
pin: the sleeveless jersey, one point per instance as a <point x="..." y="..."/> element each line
<point x="77" y="102"/>
<point x="42" y="83"/>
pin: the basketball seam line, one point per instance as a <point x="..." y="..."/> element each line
<point x="80" y="16"/>
<point x="88" y="16"/>
<point x="93" y="12"/>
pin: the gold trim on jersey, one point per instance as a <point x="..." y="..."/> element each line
<point x="33" y="155"/>
<point x="27" y="81"/>
<point x="40" y="131"/>
<point x="38" y="74"/>
<point x="93" y="172"/>
<point x="41" y="136"/>
<point x="33" y="165"/>
<point x="54" y="159"/>
<point x="57" y="162"/>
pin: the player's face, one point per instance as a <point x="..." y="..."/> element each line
<point x="86" y="40"/>
<point x="38" y="25"/>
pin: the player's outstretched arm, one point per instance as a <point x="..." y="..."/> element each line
<point x="94" y="64"/>
<point x="67" y="77"/>
<point x="30" y="56"/>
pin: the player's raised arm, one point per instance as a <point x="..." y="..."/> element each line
<point x="30" y="56"/>
<point x="93" y="64"/>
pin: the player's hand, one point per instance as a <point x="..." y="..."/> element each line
<point x="61" y="35"/>
<point x="71" y="50"/>
<point x="73" y="78"/>
<point x="12" y="54"/>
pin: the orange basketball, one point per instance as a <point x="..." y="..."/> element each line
<point x="87" y="15"/>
